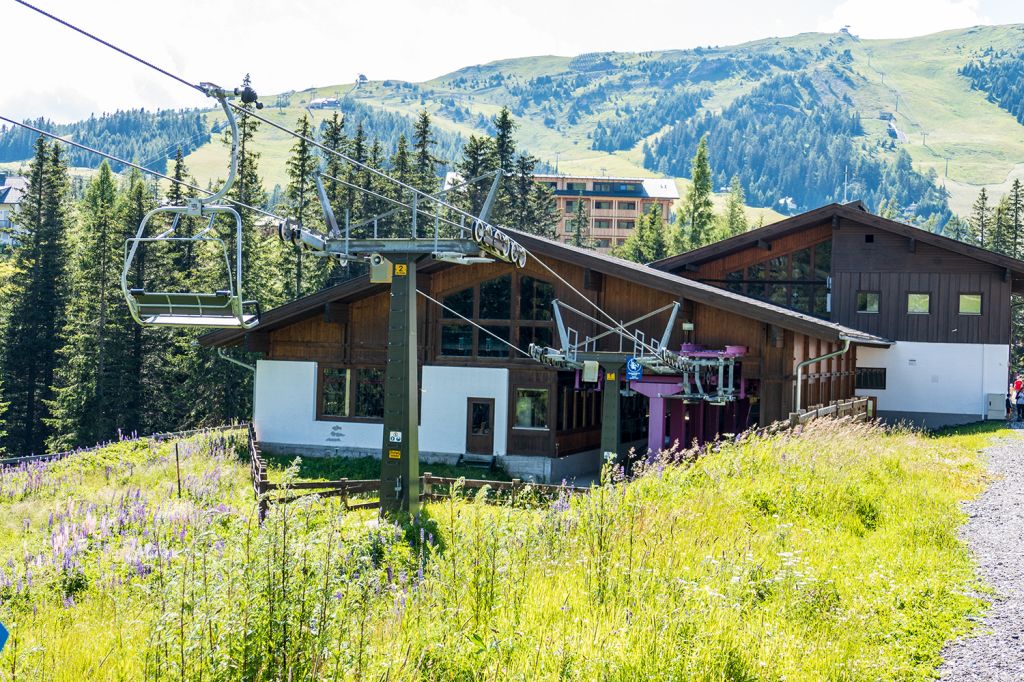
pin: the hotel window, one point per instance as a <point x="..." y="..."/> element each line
<point x="531" y="408"/>
<point x="871" y="378"/>
<point x="602" y="243"/>
<point x="570" y="206"/>
<point x="602" y="224"/>
<point x="568" y="225"/>
<point x="970" y="304"/>
<point x="602" y="205"/>
<point x="867" y="301"/>
<point x="626" y="224"/>
<point x="648" y="205"/>
<point x="918" y="303"/>
<point x="627" y="205"/>
<point x="350" y="393"/>
<point x="576" y="186"/>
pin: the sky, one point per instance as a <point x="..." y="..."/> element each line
<point x="48" y="70"/>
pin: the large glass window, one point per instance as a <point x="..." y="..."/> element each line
<point x="491" y="347"/>
<point x="918" y="303"/>
<point x="867" y="301"/>
<point x="542" y="336"/>
<point x="602" y="205"/>
<point x="576" y="186"/>
<point x="351" y="392"/>
<point x="496" y="299"/>
<point x="970" y="304"/>
<point x="823" y="260"/>
<point x="461" y="302"/>
<point x="456" y="339"/>
<point x="531" y="408"/>
<point x="334" y="392"/>
<point x="627" y="205"/>
<point x="535" y="299"/>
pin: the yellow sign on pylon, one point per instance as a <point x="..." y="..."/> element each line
<point x="401" y="269"/>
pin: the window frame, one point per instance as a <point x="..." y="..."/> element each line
<point x="625" y="205"/>
<point x="513" y="421"/>
<point x="352" y="388"/>
<point x="981" y="303"/>
<point x="878" y="302"/>
<point x="928" y="294"/>
<point x="862" y="372"/>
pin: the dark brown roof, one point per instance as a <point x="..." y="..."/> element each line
<point x="854" y="212"/>
<point x="548" y="249"/>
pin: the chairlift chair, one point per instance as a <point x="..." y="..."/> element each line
<point x="223" y="308"/>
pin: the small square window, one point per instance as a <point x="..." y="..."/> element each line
<point x="970" y="304"/>
<point x="867" y="301"/>
<point x="531" y="405"/>
<point x="918" y="304"/>
<point x="869" y="239"/>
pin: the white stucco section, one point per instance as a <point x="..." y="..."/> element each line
<point x="444" y="402"/>
<point x="941" y="378"/>
<point x="284" y="410"/>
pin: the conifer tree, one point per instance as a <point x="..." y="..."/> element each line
<point x="424" y="161"/>
<point x="735" y="215"/>
<point x="504" y="142"/>
<point x="581" y="225"/>
<point x="334" y="166"/>
<point x="1002" y="230"/>
<point x="303" y="207"/>
<point x="698" y="208"/>
<point x="92" y="369"/>
<point x="35" y="309"/>
<point x="545" y="211"/>
<point x="980" y="221"/>
<point x="647" y="243"/>
<point x="1016" y="219"/>
<point x="477" y="159"/>
<point x="354" y="174"/>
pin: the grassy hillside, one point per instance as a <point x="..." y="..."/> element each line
<point x="831" y="554"/>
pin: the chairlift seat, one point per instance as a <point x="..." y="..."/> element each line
<point x="220" y="309"/>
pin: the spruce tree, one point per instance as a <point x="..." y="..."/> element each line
<point x="354" y="174"/>
<point x="980" y="221"/>
<point x="647" y="243"/>
<point x="424" y="161"/>
<point x="35" y="309"/>
<point x="545" y="211"/>
<point x="581" y="225"/>
<point x="735" y="215"/>
<point x="477" y="159"/>
<point x="1002" y="230"/>
<point x="303" y="207"/>
<point x="92" y="372"/>
<point x="1016" y="218"/>
<point x="698" y="207"/>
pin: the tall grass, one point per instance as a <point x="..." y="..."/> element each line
<point x="831" y="554"/>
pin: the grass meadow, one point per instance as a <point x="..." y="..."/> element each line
<point x="831" y="554"/>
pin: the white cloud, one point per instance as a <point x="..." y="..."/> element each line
<point x="902" y="18"/>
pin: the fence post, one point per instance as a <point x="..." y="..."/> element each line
<point x="344" y="491"/>
<point x="794" y="419"/>
<point x="426" y="486"/>
<point x="516" y="484"/>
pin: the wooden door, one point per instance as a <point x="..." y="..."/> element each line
<point x="480" y="426"/>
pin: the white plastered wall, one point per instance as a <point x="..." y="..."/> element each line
<point x="284" y="409"/>
<point x="443" y="412"/>
<point x="938" y="378"/>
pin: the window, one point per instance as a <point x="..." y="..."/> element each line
<point x="535" y="299"/>
<point x="568" y="226"/>
<point x="542" y="336"/>
<point x="871" y="378"/>
<point x="648" y="205"/>
<point x="491" y="347"/>
<point x="867" y="301"/>
<point x="570" y="206"/>
<point x="347" y="393"/>
<point x="869" y="239"/>
<point x="496" y="299"/>
<point x="823" y="260"/>
<point x="531" y="408"/>
<point x="576" y="186"/>
<point x="970" y="304"/>
<point x="461" y="302"/>
<point x="602" y="243"/>
<point x="600" y="224"/>
<point x="918" y="304"/>
<point x="456" y="339"/>
<point x="734" y="281"/>
<point x="627" y="205"/>
<point x="626" y="224"/>
<point x="602" y="205"/>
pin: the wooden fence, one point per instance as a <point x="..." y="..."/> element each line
<point x="431" y="487"/>
<point x="854" y="408"/>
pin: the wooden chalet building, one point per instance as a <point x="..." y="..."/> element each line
<point x="319" y="384"/>
<point x="944" y="304"/>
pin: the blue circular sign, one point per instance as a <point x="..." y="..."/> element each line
<point x="633" y="365"/>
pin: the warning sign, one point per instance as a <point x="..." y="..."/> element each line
<point x="401" y="269"/>
<point x="395" y="436"/>
<point x="394" y="454"/>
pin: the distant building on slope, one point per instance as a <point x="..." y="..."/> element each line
<point x="613" y="204"/>
<point x="12" y="188"/>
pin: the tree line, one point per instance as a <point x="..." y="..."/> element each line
<point x="793" y="153"/>
<point x="1001" y="78"/>
<point x="75" y="369"/>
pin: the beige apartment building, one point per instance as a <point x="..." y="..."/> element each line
<point x="613" y="204"/>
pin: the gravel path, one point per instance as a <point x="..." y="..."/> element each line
<point x="995" y="534"/>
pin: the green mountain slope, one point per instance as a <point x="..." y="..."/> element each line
<point x="599" y="113"/>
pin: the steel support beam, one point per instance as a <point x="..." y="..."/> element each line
<point x="611" y="422"/>
<point x="399" y="464"/>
